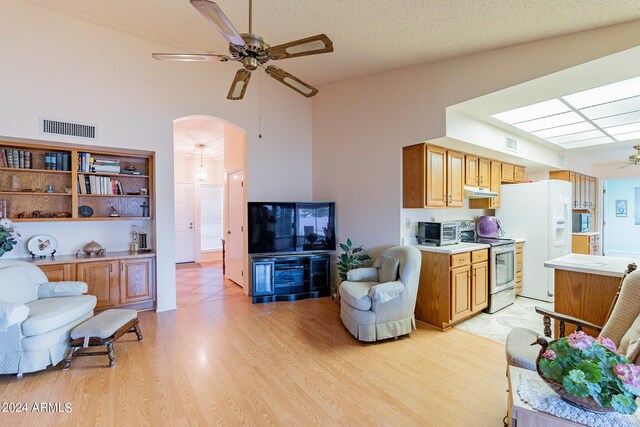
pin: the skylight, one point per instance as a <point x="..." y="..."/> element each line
<point x="601" y="115"/>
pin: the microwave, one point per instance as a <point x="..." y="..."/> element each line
<point x="581" y="222"/>
<point x="438" y="233"/>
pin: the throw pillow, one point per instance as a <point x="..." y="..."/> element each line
<point x="630" y="342"/>
<point x="389" y="269"/>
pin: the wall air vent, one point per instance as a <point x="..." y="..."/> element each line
<point x="56" y="127"/>
<point x="510" y="143"/>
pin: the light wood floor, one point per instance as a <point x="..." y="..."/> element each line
<point x="228" y="362"/>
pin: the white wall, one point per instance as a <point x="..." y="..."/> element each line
<point x="359" y="125"/>
<point x="621" y="235"/>
<point x="61" y="67"/>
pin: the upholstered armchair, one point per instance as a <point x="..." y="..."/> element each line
<point x="379" y="302"/>
<point x="622" y="327"/>
<point x="36" y="317"/>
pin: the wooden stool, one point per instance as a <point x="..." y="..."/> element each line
<point x="102" y="329"/>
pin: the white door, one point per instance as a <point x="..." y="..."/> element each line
<point x="185" y="219"/>
<point x="234" y="250"/>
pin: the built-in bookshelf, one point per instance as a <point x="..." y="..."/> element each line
<point x="61" y="183"/>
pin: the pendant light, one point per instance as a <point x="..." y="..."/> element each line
<point x="202" y="172"/>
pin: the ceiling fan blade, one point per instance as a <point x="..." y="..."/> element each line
<point x="292" y="81"/>
<point x="212" y="13"/>
<point x="190" y="57"/>
<point x="239" y="85"/>
<point x="626" y="165"/>
<point x="309" y="46"/>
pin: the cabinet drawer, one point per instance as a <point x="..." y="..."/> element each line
<point x="59" y="272"/>
<point x="460" y="259"/>
<point x="479" y="256"/>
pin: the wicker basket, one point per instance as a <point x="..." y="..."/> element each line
<point x="586" y="403"/>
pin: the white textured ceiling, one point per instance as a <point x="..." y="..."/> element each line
<point x="369" y="36"/>
<point x="188" y="133"/>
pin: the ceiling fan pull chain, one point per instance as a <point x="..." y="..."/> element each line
<point x="260" y="104"/>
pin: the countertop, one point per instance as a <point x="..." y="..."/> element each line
<point x="453" y="249"/>
<point x="587" y="233"/>
<point x="592" y="264"/>
<point x="109" y="256"/>
<point x="517" y="239"/>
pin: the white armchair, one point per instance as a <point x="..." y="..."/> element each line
<point x="374" y="311"/>
<point x="36" y="317"/>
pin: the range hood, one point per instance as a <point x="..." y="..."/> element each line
<point x="478" y="193"/>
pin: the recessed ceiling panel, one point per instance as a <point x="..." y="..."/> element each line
<point x="628" y="136"/>
<point x="618" y="120"/>
<point x="604" y="94"/>
<point x="576" y="137"/>
<point x="617" y="130"/>
<point x="586" y="143"/>
<point x="613" y="108"/>
<point x="534" y="111"/>
<point x="550" y="122"/>
<point x="564" y="130"/>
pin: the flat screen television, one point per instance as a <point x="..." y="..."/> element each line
<point x="291" y="227"/>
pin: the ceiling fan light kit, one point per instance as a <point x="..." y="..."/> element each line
<point x="253" y="52"/>
<point x="634" y="159"/>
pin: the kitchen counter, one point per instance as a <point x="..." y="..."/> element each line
<point x="587" y="233"/>
<point x="517" y="239"/>
<point x="591" y="264"/>
<point x="453" y="249"/>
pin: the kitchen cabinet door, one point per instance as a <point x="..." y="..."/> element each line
<point x="507" y="172"/>
<point x="479" y="286"/>
<point x="460" y="292"/>
<point x="518" y="173"/>
<point x="59" y="272"/>
<point x="593" y="192"/>
<point x="575" y="184"/>
<point x="471" y="171"/>
<point x="496" y="181"/>
<point x="584" y="190"/>
<point x="455" y="179"/>
<point x="484" y="173"/>
<point x="136" y="280"/>
<point x="413" y="176"/>
<point x="436" y="189"/>
<point x="102" y="280"/>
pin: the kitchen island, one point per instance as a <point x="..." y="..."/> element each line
<point x="585" y="287"/>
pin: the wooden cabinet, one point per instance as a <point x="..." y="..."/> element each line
<point x="508" y="173"/>
<point x="484" y="173"/>
<point x="24" y="183"/>
<point x="432" y="177"/>
<point x="585" y="192"/>
<point x="455" y="179"/>
<point x="59" y="272"/>
<point x="452" y="287"/>
<point x="460" y="293"/>
<point x="471" y="170"/>
<point x="116" y="279"/>
<point x="588" y="244"/>
<point x="519" y="262"/>
<point x="479" y="286"/>
<point x="494" y="185"/>
<point x="102" y="280"/>
<point x="519" y="174"/>
<point x="136" y="280"/>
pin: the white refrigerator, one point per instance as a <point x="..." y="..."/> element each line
<point x="540" y="213"/>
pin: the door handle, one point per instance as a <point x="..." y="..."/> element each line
<point x="228" y="232"/>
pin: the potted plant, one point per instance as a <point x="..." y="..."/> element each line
<point x="589" y="373"/>
<point x="8" y="236"/>
<point x="352" y="257"/>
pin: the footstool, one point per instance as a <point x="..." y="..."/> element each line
<point x="102" y="329"/>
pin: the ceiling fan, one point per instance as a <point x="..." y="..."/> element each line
<point x="253" y="51"/>
<point x="633" y="159"/>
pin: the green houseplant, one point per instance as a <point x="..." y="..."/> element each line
<point x="8" y="236"/>
<point x="589" y="373"/>
<point x="352" y="257"/>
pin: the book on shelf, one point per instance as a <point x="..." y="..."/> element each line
<point x="128" y="172"/>
<point x="21" y="159"/>
<point x="4" y="209"/>
<point x="16" y="159"/>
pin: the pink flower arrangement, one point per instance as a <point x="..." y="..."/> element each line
<point x="580" y="340"/>
<point x="607" y="343"/>
<point x="630" y="375"/>
<point x="549" y="354"/>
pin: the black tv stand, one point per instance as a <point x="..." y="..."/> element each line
<point x="290" y="277"/>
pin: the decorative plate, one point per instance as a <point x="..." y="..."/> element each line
<point x="85" y="211"/>
<point x="42" y="245"/>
